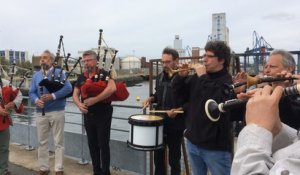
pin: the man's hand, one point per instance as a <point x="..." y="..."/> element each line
<point x="147" y="102"/>
<point x="3" y="112"/>
<point x="172" y="113"/>
<point x="200" y="69"/>
<point x="240" y="77"/>
<point x="262" y="109"/>
<point x="283" y="74"/>
<point x="83" y="108"/>
<point x="39" y="103"/>
<point x="46" y="97"/>
<point x="9" y="106"/>
<point x="90" y="101"/>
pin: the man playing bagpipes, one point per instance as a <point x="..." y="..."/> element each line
<point x="11" y="98"/>
<point x="97" y="112"/>
<point x="50" y="116"/>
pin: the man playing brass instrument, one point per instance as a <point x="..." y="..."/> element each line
<point x="209" y="143"/>
<point x="54" y="118"/>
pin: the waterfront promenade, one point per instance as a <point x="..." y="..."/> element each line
<point x="24" y="162"/>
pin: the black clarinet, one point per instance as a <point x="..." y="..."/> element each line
<point x="42" y="93"/>
<point x="42" y="90"/>
<point x="213" y="109"/>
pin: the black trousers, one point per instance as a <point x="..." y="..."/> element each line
<point x="173" y="140"/>
<point x="97" y="128"/>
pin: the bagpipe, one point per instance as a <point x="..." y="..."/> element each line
<point x="93" y="87"/>
<point x="56" y="83"/>
<point x="9" y="94"/>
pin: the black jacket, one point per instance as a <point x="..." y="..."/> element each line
<point x="200" y="130"/>
<point x="166" y="100"/>
<point x="289" y="111"/>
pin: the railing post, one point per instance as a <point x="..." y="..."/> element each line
<point x="83" y="161"/>
<point x="29" y="147"/>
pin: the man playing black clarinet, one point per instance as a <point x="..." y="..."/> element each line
<point x="97" y="113"/>
<point x="53" y="120"/>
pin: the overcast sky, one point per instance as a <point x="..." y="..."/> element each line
<point x="144" y="27"/>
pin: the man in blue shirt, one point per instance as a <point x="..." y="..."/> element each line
<point x="53" y="105"/>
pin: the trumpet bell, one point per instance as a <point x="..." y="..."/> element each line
<point x="251" y="81"/>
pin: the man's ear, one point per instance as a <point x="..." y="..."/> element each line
<point x="222" y="61"/>
<point x="291" y="69"/>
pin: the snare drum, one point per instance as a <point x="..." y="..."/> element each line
<point x="146" y="132"/>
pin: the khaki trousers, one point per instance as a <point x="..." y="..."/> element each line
<point x="52" y="122"/>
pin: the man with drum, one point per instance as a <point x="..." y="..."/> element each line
<point x="97" y="114"/>
<point x="173" y="122"/>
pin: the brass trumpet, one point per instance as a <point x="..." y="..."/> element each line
<point x="171" y="71"/>
<point x="184" y="67"/>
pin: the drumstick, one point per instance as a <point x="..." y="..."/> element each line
<point x="165" y="111"/>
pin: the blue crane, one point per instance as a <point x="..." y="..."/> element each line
<point x="260" y="48"/>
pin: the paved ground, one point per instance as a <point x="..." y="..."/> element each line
<point x="23" y="162"/>
<point x="19" y="170"/>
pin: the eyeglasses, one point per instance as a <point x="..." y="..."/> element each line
<point x="209" y="56"/>
<point x="166" y="62"/>
<point x="87" y="60"/>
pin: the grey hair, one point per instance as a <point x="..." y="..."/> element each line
<point x="90" y="52"/>
<point x="52" y="56"/>
<point x="288" y="59"/>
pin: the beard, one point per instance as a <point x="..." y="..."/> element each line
<point x="90" y="69"/>
<point x="45" y="66"/>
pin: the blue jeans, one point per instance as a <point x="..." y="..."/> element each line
<point x="218" y="162"/>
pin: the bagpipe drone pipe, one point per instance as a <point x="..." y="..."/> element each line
<point x="93" y="87"/>
<point x="57" y="82"/>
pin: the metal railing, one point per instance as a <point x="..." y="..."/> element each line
<point x="27" y="118"/>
